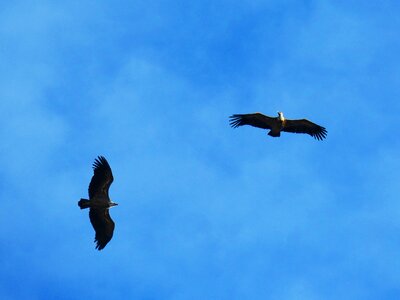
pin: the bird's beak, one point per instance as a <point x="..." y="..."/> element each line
<point x="113" y="204"/>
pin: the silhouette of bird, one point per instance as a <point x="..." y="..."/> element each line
<point x="99" y="202"/>
<point x="278" y="124"/>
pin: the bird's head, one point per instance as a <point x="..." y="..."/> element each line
<point x="280" y="115"/>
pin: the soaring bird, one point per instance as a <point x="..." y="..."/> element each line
<point x="99" y="202"/>
<point x="278" y="124"/>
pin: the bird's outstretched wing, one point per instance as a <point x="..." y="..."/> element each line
<point x="103" y="226"/>
<point x="257" y="120"/>
<point x="305" y="126"/>
<point x="102" y="178"/>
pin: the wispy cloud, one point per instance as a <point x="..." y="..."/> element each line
<point x="205" y="211"/>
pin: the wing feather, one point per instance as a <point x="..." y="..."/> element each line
<point x="102" y="178"/>
<point x="103" y="226"/>
<point x="305" y="126"/>
<point x="257" y="120"/>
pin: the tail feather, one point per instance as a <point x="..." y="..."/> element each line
<point x="274" y="133"/>
<point x="84" y="203"/>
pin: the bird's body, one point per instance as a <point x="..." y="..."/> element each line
<point x="278" y="124"/>
<point x="99" y="202"/>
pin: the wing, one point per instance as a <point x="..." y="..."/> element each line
<point x="305" y="126"/>
<point x="101" y="179"/>
<point x="103" y="226"/>
<point x="257" y="120"/>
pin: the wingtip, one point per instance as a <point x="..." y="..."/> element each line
<point x="99" y="161"/>
<point x="99" y="246"/>
<point x="234" y="120"/>
<point x="321" y="134"/>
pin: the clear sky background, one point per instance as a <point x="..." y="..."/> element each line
<point x="205" y="211"/>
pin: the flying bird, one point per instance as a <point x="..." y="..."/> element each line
<point x="99" y="202"/>
<point x="278" y="124"/>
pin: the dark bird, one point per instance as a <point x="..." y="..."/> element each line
<point x="99" y="202"/>
<point x="278" y="124"/>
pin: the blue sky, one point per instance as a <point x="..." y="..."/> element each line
<point x="205" y="211"/>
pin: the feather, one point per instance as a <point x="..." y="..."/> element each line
<point x="103" y="225"/>
<point x="256" y="120"/>
<point x="305" y="126"/>
<point x="102" y="178"/>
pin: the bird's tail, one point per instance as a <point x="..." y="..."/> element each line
<point x="84" y="203"/>
<point x="274" y="133"/>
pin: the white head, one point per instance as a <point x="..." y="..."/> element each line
<point x="280" y="116"/>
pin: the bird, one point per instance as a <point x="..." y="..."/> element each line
<point x="99" y="202"/>
<point x="278" y="124"/>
